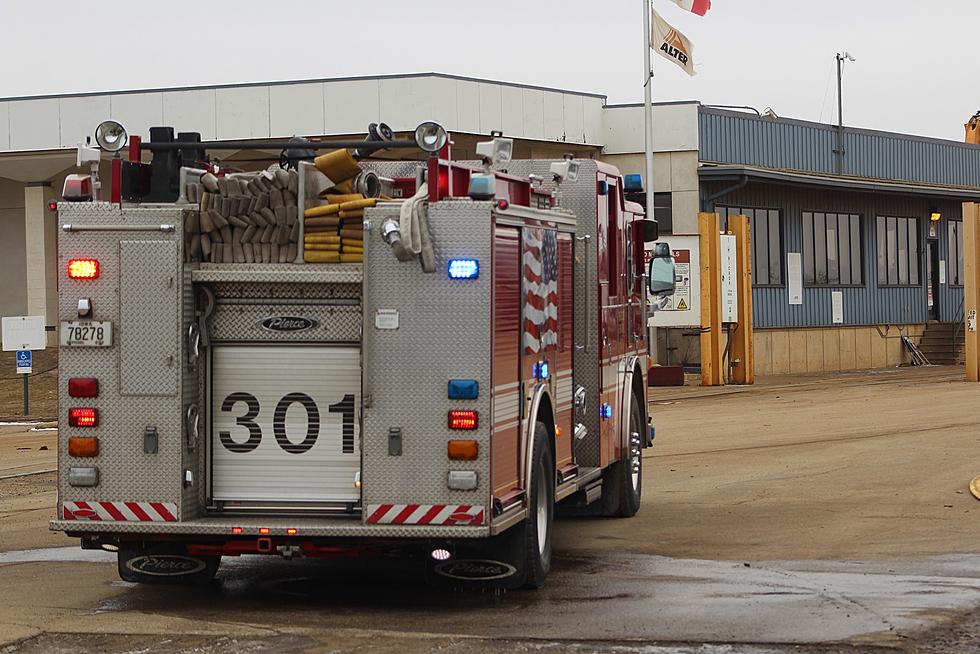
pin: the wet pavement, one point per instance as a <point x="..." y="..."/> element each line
<point x="616" y="599"/>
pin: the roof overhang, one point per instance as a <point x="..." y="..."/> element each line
<point x="737" y="173"/>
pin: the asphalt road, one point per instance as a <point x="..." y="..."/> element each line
<point x="800" y="516"/>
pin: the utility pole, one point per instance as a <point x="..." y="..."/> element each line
<point x="841" y="58"/>
<point x="648" y="107"/>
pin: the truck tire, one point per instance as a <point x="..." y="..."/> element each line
<point x="164" y="563"/>
<point x="623" y="481"/>
<point x="541" y="510"/>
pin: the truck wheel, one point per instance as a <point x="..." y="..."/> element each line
<point x="624" y="479"/>
<point x="164" y="563"/>
<point x="541" y="511"/>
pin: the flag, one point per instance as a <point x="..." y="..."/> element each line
<point x="699" y="7"/>
<point x="541" y="289"/>
<point x="671" y="44"/>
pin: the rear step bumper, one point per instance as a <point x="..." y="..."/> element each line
<point x="250" y="526"/>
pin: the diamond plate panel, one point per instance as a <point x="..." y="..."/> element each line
<point x="148" y="303"/>
<point x="233" y="322"/>
<point x="127" y="473"/>
<point x="443" y="333"/>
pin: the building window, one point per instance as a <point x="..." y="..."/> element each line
<point x="832" y="249"/>
<point x="663" y="212"/>
<point x="954" y="258"/>
<point x="898" y="251"/>
<point x="767" y="243"/>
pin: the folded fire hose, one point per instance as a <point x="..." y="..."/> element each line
<point x="416" y="242"/>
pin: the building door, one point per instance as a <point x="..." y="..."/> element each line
<point x="932" y="277"/>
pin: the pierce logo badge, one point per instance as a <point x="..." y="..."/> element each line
<point x="475" y="570"/>
<point x="288" y="324"/>
<point x="165" y="565"/>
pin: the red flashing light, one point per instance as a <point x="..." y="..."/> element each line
<point x="83" y="417"/>
<point x="236" y="530"/>
<point x="463" y="419"/>
<point x="53" y="205"/>
<point x="83" y="268"/>
<point x="83" y="387"/>
<point x="264" y="531"/>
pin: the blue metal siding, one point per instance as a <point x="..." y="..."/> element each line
<point x="865" y="305"/>
<point x="738" y="138"/>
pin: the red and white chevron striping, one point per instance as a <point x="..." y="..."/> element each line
<point x="425" y="514"/>
<point x="121" y="511"/>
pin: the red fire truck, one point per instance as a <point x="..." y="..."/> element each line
<point x="437" y="371"/>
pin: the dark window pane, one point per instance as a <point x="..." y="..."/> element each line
<point x="892" y="255"/>
<point x="759" y="264"/>
<point x="903" y="250"/>
<point x="844" y="247"/>
<point x="913" y="251"/>
<point x="833" y="268"/>
<point x="819" y="248"/>
<point x="775" y="248"/>
<point x="808" y="248"/>
<point x="856" y="269"/>
<point x="881" y="250"/>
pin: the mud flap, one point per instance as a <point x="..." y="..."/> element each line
<point x="164" y="563"/>
<point x="495" y="563"/>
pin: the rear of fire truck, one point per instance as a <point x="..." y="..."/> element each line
<point x="298" y="361"/>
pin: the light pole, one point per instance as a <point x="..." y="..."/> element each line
<point x="841" y="58"/>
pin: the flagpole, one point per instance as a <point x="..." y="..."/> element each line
<point x="648" y="107"/>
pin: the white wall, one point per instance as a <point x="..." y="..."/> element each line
<point x="675" y="128"/>
<point x="343" y="106"/>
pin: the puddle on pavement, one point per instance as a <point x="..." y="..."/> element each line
<point x="607" y="595"/>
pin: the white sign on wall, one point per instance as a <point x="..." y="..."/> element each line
<point x="729" y="281"/>
<point x="837" y="306"/>
<point x="794" y="270"/>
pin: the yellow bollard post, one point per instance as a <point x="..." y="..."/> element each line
<point x="710" y="253"/>
<point x="742" y="348"/>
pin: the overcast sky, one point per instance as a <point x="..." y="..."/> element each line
<point x="917" y="68"/>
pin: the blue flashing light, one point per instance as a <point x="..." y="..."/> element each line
<point x="464" y="269"/>
<point x="606" y="411"/>
<point x="633" y="183"/>
<point x="540" y="370"/>
<point x="464" y="389"/>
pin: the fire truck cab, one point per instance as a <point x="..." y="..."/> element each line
<point x="424" y="355"/>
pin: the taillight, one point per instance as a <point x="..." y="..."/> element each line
<point x="83" y="387"/>
<point x="83" y="417"/>
<point x="83" y="268"/>
<point x="463" y="419"/>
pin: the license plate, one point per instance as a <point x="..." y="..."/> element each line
<point x="86" y="333"/>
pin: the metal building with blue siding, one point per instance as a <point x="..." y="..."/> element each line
<point x="877" y="223"/>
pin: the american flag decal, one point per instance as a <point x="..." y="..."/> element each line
<point x="540" y="289"/>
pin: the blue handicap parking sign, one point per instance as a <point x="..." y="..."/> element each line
<point x="24" y="358"/>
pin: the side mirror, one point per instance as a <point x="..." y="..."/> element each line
<point x="661" y="278"/>
<point x="651" y="231"/>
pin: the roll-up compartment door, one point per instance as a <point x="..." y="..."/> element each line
<point x="285" y="425"/>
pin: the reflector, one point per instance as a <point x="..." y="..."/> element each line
<point x="83" y="387"/>
<point x="83" y="446"/>
<point x="463" y="450"/>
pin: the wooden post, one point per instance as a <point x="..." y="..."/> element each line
<point x="741" y="348"/>
<point x="971" y="288"/>
<point x="710" y="253"/>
